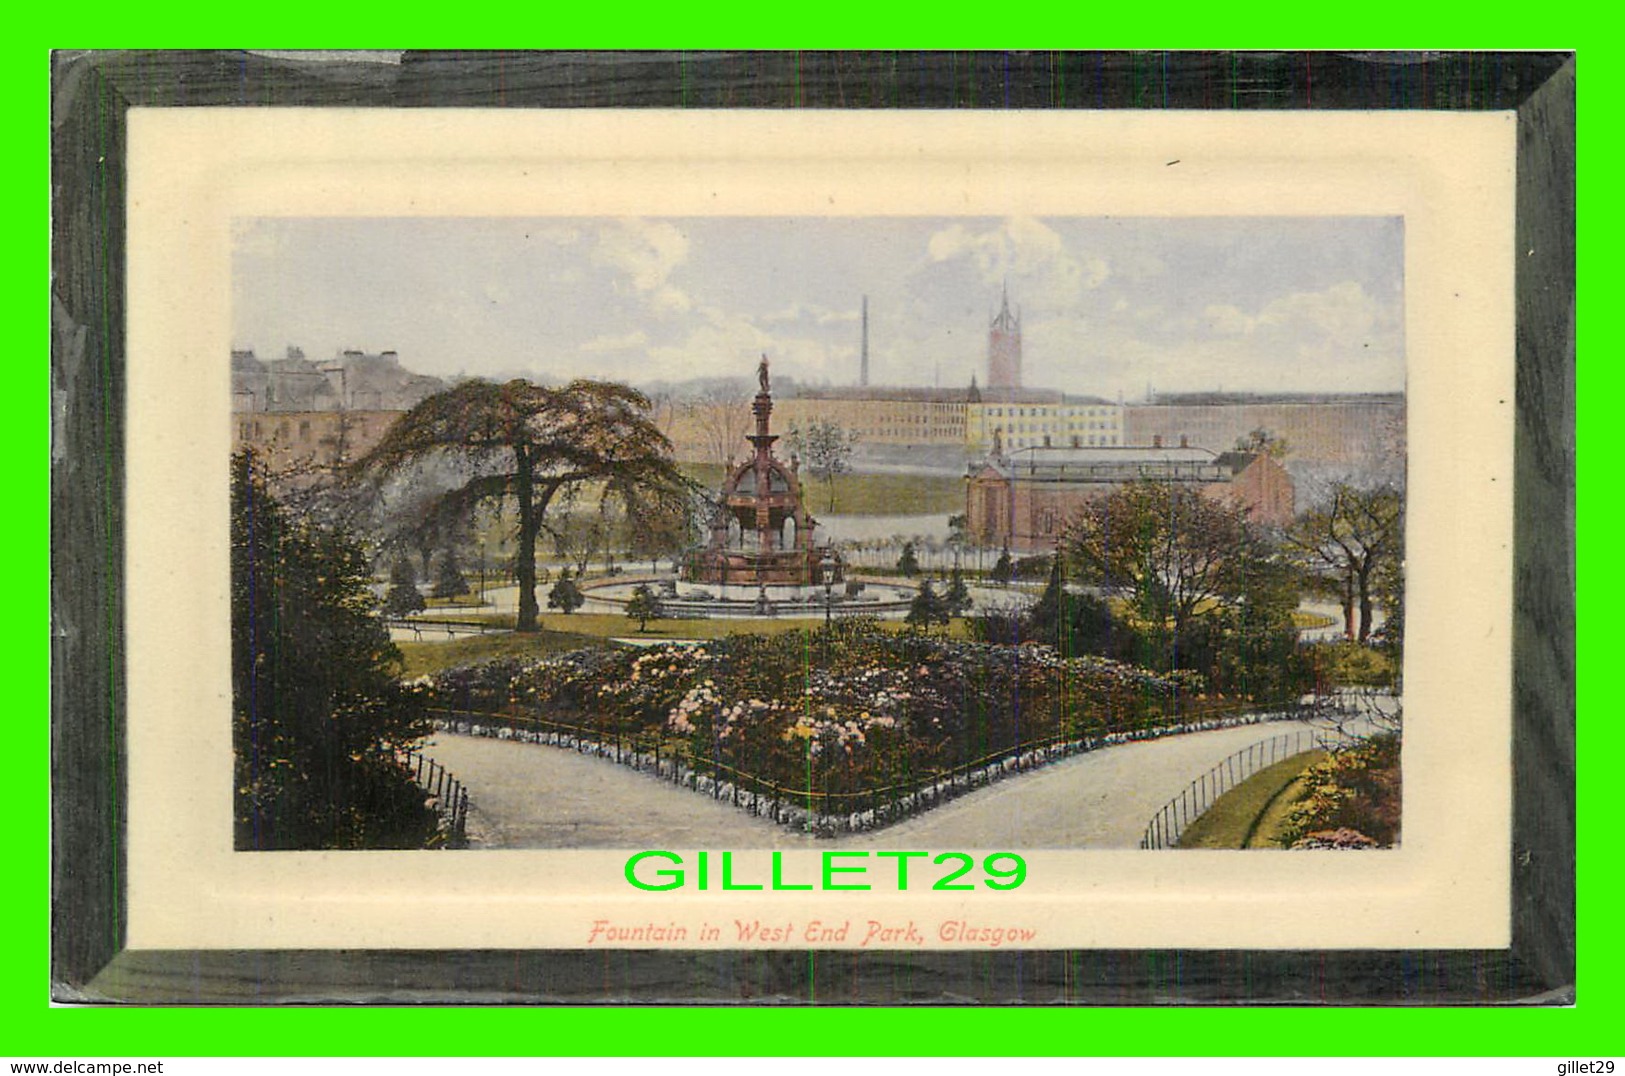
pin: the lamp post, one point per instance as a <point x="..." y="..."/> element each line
<point x="829" y="601"/>
<point x="482" y="571"/>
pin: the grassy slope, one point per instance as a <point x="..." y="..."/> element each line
<point x="1248" y="815"/>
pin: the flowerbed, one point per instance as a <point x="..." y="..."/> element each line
<point x="1352" y="800"/>
<point x="845" y="710"/>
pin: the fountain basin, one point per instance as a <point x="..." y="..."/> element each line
<point x="682" y="599"/>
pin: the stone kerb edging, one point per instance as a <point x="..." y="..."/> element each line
<point x="803" y="819"/>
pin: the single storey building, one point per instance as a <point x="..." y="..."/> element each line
<point x="1021" y="500"/>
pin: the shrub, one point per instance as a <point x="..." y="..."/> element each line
<point x="450" y="582"/>
<point x="957" y="597"/>
<point x="908" y="564"/>
<point x="1356" y="790"/>
<point x="1346" y="663"/>
<point x="644" y="606"/>
<point x="928" y="608"/>
<point x="1033" y="568"/>
<point x="403" y="597"/>
<point x="565" y="596"/>
<point x="318" y="722"/>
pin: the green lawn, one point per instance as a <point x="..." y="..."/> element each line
<point x="431" y="657"/>
<point x="606" y="625"/>
<point x="560" y="632"/>
<point x="1249" y="815"/>
<point x="866" y="494"/>
<point x="1273" y="820"/>
<point x="462" y="601"/>
<point x="618" y="625"/>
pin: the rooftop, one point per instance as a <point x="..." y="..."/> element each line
<point x="1197" y="399"/>
<point x="1116" y="464"/>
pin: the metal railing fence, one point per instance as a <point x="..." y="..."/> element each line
<point x="1168" y="825"/>
<point x="447" y="796"/>
<point x="820" y="812"/>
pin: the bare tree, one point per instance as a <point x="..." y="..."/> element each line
<point x="720" y="411"/>
<point x="1350" y="537"/>
<point x="825" y="448"/>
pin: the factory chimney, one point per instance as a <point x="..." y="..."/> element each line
<point x="863" y="368"/>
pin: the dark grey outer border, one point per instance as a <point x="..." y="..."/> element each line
<point x="90" y="95"/>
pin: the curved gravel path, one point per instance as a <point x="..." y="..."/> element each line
<point x="535" y="796"/>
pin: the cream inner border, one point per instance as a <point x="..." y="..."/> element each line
<point x="1451" y="177"/>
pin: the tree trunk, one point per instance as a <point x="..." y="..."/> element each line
<point x="525" y="565"/>
<point x="1348" y="606"/>
<point x="1365" y="602"/>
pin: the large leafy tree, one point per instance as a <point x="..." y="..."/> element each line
<point x="1172" y="554"/>
<point x="1205" y="589"/>
<point x="533" y="444"/>
<point x="318" y="720"/>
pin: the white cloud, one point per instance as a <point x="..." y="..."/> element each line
<point x="646" y="253"/>
<point x="723" y="343"/>
<point x="1343" y="313"/>
<point x="670" y="300"/>
<point x="1028" y="255"/>
<point x="1339" y="317"/>
<point x="1225" y="320"/>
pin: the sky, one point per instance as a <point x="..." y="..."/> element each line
<point x="1109" y="306"/>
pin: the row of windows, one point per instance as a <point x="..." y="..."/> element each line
<point x="1051" y="412"/>
<point x="1076" y="441"/>
<point x="254" y="431"/>
<point x="892" y="431"/>
<point x="1040" y="427"/>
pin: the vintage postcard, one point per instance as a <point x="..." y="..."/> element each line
<point x="900" y="531"/>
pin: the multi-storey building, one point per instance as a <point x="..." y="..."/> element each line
<point x="299" y="443"/>
<point x="880" y="415"/>
<point x="1037" y="419"/>
<point x="353" y="380"/>
<point x="1331" y="429"/>
<point x="306" y="417"/>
